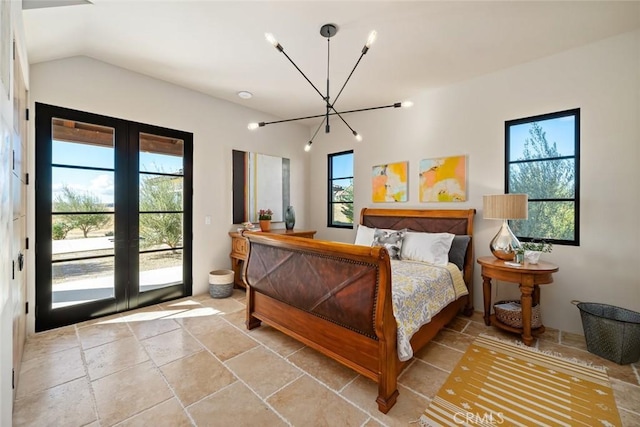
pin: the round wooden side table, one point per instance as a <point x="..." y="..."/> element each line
<point x="528" y="277"/>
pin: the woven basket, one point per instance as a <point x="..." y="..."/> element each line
<point x="513" y="317"/>
<point x="221" y="283"/>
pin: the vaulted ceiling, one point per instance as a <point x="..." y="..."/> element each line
<point x="218" y="47"/>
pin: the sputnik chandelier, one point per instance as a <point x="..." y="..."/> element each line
<point x="328" y="31"/>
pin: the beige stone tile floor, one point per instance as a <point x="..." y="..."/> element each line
<point x="192" y="362"/>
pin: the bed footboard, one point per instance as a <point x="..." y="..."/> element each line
<point x="341" y="288"/>
<point x="333" y="297"/>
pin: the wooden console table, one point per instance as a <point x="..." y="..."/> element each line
<point x="240" y="248"/>
<point x="528" y="276"/>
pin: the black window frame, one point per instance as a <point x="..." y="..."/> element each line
<point x="331" y="179"/>
<point x="575" y="113"/>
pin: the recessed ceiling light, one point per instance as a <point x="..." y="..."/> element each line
<point x="245" y="95"/>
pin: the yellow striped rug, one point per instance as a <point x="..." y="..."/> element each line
<point x="503" y="384"/>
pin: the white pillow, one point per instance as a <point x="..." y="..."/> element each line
<point x="432" y="248"/>
<point x="364" y="235"/>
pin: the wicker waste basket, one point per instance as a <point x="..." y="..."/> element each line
<point x="510" y="313"/>
<point x="611" y="332"/>
<point x="221" y="283"/>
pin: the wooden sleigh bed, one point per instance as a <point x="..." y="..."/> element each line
<point x="336" y="297"/>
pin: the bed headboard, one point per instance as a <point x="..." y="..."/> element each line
<point x="454" y="221"/>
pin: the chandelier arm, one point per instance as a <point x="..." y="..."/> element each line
<point x="307" y="147"/>
<point x="347" y="81"/>
<point x="303" y="75"/>
<point x="293" y="120"/>
<point x="343" y="120"/>
<point x="317" y="130"/>
<point x="395" y="105"/>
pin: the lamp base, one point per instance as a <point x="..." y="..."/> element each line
<point x="504" y="244"/>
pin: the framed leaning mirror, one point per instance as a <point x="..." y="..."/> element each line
<point x="260" y="181"/>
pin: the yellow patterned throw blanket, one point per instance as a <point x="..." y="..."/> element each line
<point x="503" y="384"/>
<point x="419" y="292"/>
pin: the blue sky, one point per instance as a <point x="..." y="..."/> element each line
<point x="559" y="130"/>
<point x="99" y="183"/>
<point x="343" y="166"/>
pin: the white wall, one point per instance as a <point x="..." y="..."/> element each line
<point x="15" y="31"/>
<point x="603" y="80"/>
<point x="218" y="126"/>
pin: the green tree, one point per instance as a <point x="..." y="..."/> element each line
<point x="347" y="208"/>
<point x="544" y="175"/>
<point x="74" y="201"/>
<point x="60" y="230"/>
<point x="161" y="194"/>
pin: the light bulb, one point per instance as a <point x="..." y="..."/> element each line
<point x="371" y="39"/>
<point x="271" y="39"/>
<point x="253" y="126"/>
<point x="406" y="104"/>
<point x="307" y="147"/>
<point x="357" y="136"/>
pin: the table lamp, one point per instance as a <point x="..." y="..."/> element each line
<point x="505" y="207"/>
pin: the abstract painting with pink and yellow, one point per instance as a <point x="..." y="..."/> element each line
<point x="389" y="182"/>
<point x="443" y="179"/>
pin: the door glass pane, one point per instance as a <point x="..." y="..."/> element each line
<point x="82" y="221"/>
<point x="160" y="269"/>
<point x="160" y="211"/>
<point x="161" y="154"/>
<point x="160" y="193"/>
<point x="76" y="282"/>
<point x="160" y="231"/>
<point x="81" y="190"/>
<point x="82" y="144"/>
<point x="69" y="241"/>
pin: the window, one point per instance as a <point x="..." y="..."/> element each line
<point x="543" y="160"/>
<point x="340" y="190"/>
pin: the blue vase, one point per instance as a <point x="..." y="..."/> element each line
<point x="289" y="218"/>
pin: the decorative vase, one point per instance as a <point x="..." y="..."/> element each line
<point x="289" y="218"/>
<point x="265" y="224"/>
<point x="504" y="244"/>
<point x="532" y="257"/>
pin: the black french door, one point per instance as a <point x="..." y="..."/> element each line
<point x="113" y="215"/>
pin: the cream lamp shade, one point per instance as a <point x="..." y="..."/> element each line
<point x="505" y="206"/>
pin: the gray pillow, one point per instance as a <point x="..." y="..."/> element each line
<point x="458" y="250"/>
